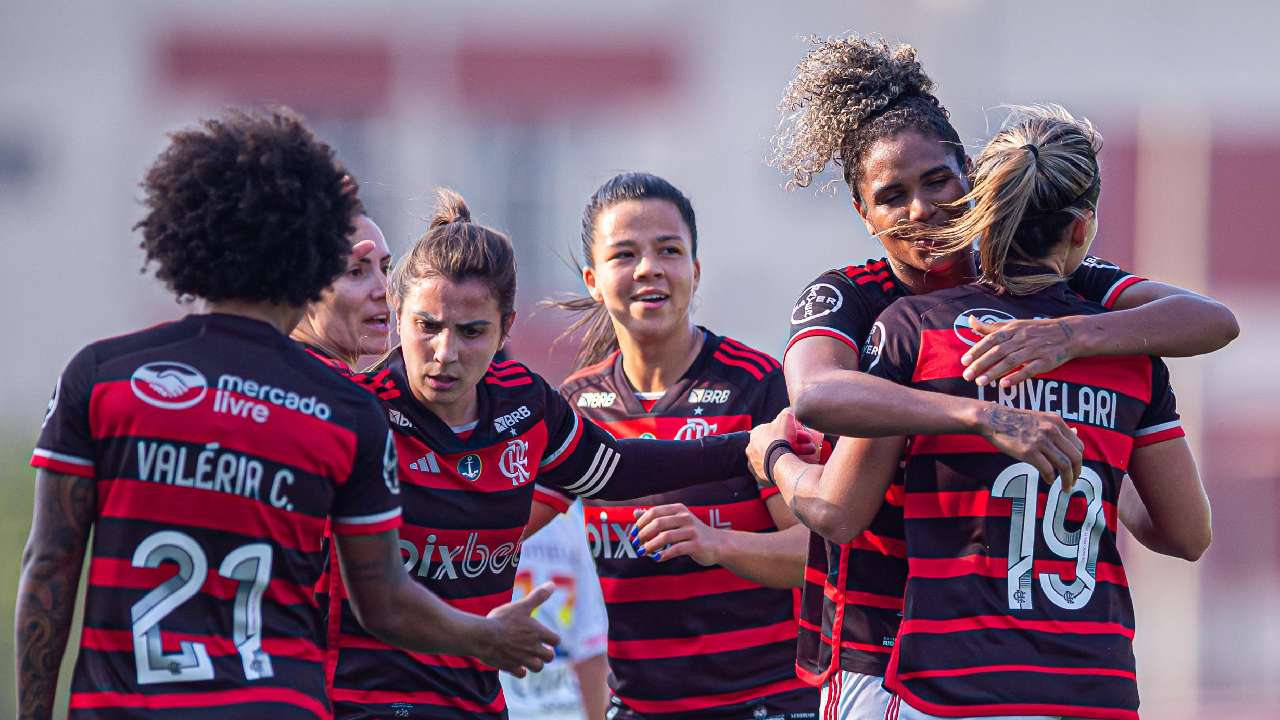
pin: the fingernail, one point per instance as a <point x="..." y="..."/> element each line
<point x="634" y="532"/>
<point x="984" y="380"/>
<point x="640" y="550"/>
<point x="657" y="556"/>
<point x="966" y="359"/>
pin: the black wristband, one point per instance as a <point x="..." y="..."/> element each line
<point x="776" y="449"/>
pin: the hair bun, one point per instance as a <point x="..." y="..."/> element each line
<point x="450" y="208"/>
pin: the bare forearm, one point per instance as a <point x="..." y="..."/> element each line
<point x="46" y="600"/>
<point x="854" y="404"/>
<point x="774" y="559"/>
<point x="1175" y="326"/>
<point x="593" y="685"/>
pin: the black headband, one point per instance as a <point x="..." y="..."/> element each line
<point x="1092" y="189"/>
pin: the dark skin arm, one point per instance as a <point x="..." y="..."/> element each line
<point x="1150" y="318"/>
<point x="399" y="611"/>
<point x="830" y="394"/>
<point x="1173" y="517"/>
<point x="65" y="507"/>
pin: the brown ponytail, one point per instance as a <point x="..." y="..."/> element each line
<point x="456" y="248"/>
<point x="1036" y="176"/>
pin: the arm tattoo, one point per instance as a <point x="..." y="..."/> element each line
<point x="795" y="496"/>
<point x="1006" y="421"/>
<point x="64" y="512"/>
<point x="1065" y="327"/>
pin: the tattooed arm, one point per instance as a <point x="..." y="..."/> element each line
<point x="64" y="512"/>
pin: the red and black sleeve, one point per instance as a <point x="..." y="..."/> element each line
<point x="1101" y="281"/>
<point x="369" y="500"/>
<point x="1160" y="421"/>
<point x="830" y="306"/>
<point x="66" y="442"/>
<point x="583" y="459"/>
<point x="894" y="344"/>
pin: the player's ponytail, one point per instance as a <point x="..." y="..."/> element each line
<point x="456" y="248"/>
<point x="598" y="336"/>
<point x="1036" y="176"/>
<point x="847" y="93"/>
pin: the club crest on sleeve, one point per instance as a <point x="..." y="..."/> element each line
<point x="53" y="403"/>
<point x="389" y="475"/>
<point x="874" y="346"/>
<point x="821" y="299"/>
<point x="169" y="385"/>
<point x="984" y="315"/>
<point x="470" y="466"/>
<point x="514" y="462"/>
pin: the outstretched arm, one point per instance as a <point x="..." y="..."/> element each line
<point x="1150" y="318"/>
<point x="65" y="507"/>
<point x="397" y="610"/>
<point x="1173" y="517"/>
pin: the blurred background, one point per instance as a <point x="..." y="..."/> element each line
<point x="525" y="107"/>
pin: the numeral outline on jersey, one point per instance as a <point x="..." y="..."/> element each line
<point x="1019" y="483"/>
<point x="248" y="565"/>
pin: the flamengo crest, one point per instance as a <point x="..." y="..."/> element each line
<point x="514" y="462"/>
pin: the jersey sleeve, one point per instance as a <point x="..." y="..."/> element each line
<point x="1160" y="421"/>
<point x="893" y="344"/>
<point x="368" y="501"/>
<point x="1101" y="281"/>
<point x="830" y="307"/>
<point x="66" y="441"/>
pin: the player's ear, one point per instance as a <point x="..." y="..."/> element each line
<point x="589" y="279"/>
<point x="697" y="273"/>
<point x="508" y="321"/>
<point x="859" y="208"/>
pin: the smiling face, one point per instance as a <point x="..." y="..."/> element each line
<point x="904" y="179"/>
<point x="642" y="268"/>
<point x="449" y="333"/>
<point x="351" y="317"/>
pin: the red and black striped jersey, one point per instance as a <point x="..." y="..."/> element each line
<point x="687" y="640"/>
<point x="466" y="504"/>
<point x="1016" y="598"/>
<point x="852" y="597"/>
<point x="219" y="449"/>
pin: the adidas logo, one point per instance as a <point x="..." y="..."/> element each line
<point x="427" y="463"/>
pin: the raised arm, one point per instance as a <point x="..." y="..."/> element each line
<point x="65" y="507"/>
<point x="401" y="612"/>
<point x="1150" y="318"/>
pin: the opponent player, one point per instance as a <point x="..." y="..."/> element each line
<point x="870" y="109"/>
<point x="473" y="436"/>
<point x="206" y="455"/>
<point x="1016" y="604"/>
<point x="350" y="320"/>
<point x="574" y="686"/>
<point x="701" y="612"/>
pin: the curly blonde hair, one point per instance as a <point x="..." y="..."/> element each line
<point x="847" y="93"/>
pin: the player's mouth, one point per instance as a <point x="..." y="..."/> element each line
<point x="442" y="383"/>
<point x="650" y="299"/>
<point x="377" y="323"/>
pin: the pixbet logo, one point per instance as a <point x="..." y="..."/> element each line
<point x="471" y="559"/>
<point x="514" y="462"/>
<point x="169" y="385"/>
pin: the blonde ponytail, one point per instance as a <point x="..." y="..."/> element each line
<point x="1037" y="175"/>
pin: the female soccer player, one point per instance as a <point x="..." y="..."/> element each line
<point x="473" y="436"/>
<point x="869" y="109"/>
<point x="701" y="617"/>
<point x="350" y="320"/>
<point x="207" y="456"/>
<point x="1014" y="607"/>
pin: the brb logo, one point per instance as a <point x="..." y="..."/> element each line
<point x="983" y="315"/>
<point x="514" y="462"/>
<point x="711" y="396"/>
<point x="695" y="428"/>
<point x="169" y="385"/>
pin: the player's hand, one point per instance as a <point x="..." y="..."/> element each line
<point x="1015" y="350"/>
<point x="1039" y="438"/>
<point x="807" y="443"/>
<point x="360" y="249"/>
<point x="670" y="531"/>
<point x="516" y="641"/>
